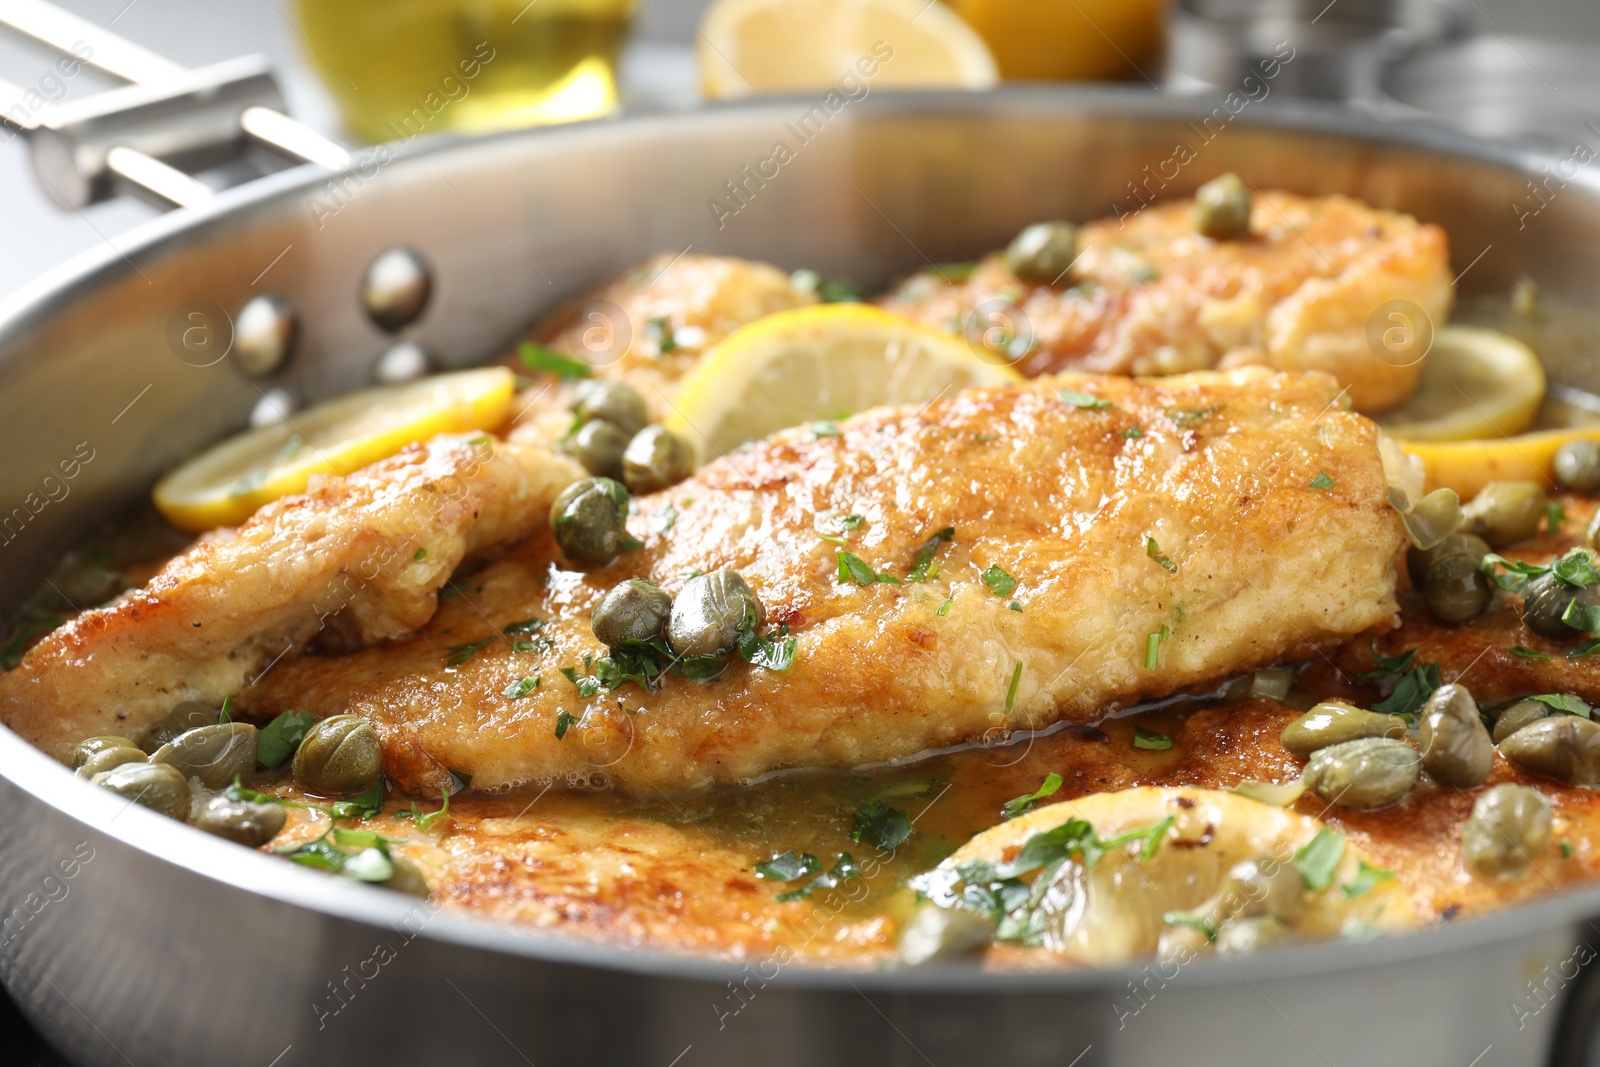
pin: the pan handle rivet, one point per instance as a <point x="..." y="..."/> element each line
<point x="265" y="331"/>
<point x="395" y="289"/>
<point x="404" y="362"/>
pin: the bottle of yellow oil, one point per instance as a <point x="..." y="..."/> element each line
<point x="402" y="67"/>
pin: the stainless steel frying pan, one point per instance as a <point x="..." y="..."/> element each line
<point x="130" y="939"/>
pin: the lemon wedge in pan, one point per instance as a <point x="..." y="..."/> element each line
<point x="820" y="363"/>
<point x="1476" y="383"/>
<point x="225" y="484"/>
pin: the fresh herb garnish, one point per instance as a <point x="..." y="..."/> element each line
<point x="1575" y="569"/>
<point x="1388" y="666"/>
<point x="225" y="713"/>
<point x="848" y="522"/>
<point x="522" y="687"/>
<point x="1192" y="921"/>
<point x="1022" y="805"/>
<point x="1415" y="685"/>
<point x="955" y="273"/>
<point x="420" y="554"/>
<point x="999" y="582"/>
<point x="659" y="330"/>
<point x="1152" y="647"/>
<point x="944" y="609"/>
<point x="923" y="565"/>
<point x="1153" y="550"/>
<point x="364" y="806"/>
<point x="1132" y="432"/>
<point x="1527" y="653"/>
<point x="1367" y="876"/>
<point x="425" y="820"/>
<point x="1319" y="858"/>
<point x="1322" y="481"/>
<point x="564" y="722"/>
<point x="664" y="519"/>
<point x="1088" y="401"/>
<point x="789" y="867"/>
<point x="370" y="860"/>
<point x="879" y="825"/>
<point x="1149" y="739"/>
<point x="1566" y="849"/>
<point x="852" y="568"/>
<point x="1565" y="703"/>
<point x="280" y="737"/>
<point x="459" y="654"/>
<point x="21" y="639"/>
<point x="774" y="651"/>
<point x="1184" y="419"/>
<point x="538" y="357"/>
<point x="1011" y="693"/>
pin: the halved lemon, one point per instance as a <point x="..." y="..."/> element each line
<point x="850" y="46"/>
<point x="821" y="362"/>
<point x="1476" y="383"/>
<point x="225" y="484"/>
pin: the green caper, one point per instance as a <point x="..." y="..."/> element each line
<point x="1456" y="749"/>
<point x="1504" y="513"/>
<point x="656" y="458"/>
<point x="1418" y="560"/>
<point x="937" y="934"/>
<point x="633" y="612"/>
<point x="407" y="878"/>
<point x="90" y="745"/>
<point x="153" y="785"/>
<point x="1546" y="601"/>
<point x="339" y="756"/>
<point x="1264" y="886"/>
<point x="1043" y="253"/>
<point x="615" y="402"/>
<point x="1508" y="826"/>
<point x="1455" y="590"/>
<point x="1430" y="520"/>
<point x="598" y="445"/>
<point x="214" y="754"/>
<point x="1242" y="937"/>
<point x="1371" y="772"/>
<point x="589" y="520"/>
<point x="1333" y="722"/>
<point x="242" y="821"/>
<point x="107" y="758"/>
<point x="188" y="715"/>
<point x="1513" y="717"/>
<point x="709" y="614"/>
<point x="1577" y="465"/>
<point x="1563" y="747"/>
<point x="1222" y="208"/>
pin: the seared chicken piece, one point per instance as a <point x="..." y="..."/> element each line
<point x="1150" y="295"/>
<point x="1114" y="540"/>
<point x="358" y="559"/>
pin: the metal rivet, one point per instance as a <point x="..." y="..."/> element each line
<point x="275" y="406"/>
<point x="264" y="334"/>
<point x="396" y="288"/>
<point x="404" y="362"/>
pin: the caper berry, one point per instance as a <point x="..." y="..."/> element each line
<point x="1418" y="560"/>
<point x="188" y="715"/>
<point x="938" y="934"/>
<point x="107" y="758"/>
<point x="1546" y="600"/>
<point x="1333" y="722"/>
<point x="1242" y="937"/>
<point x="710" y="613"/>
<point x="1371" y="772"/>
<point x="1222" y="208"/>
<point x="153" y="785"/>
<point x="90" y="745"/>
<point x="339" y="756"/>
<point x="589" y="520"/>
<point x="216" y="755"/>
<point x="242" y="821"/>
<point x="1513" y="717"/>
<point x="633" y="612"/>
<point x="1456" y="749"/>
<point x="1504" y="513"/>
<point x="1043" y="253"/>
<point x="599" y="446"/>
<point x="656" y="458"/>
<point x="615" y="402"/>
<point x="1563" y="747"/>
<point x="1577" y="465"/>
<point x="1455" y="590"/>
<point x="1508" y="826"/>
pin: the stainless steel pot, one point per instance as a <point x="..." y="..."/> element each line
<point x="133" y="939"/>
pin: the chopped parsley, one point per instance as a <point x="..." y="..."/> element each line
<point x="1321" y="481"/>
<point x="1566" y="849"/>
<point x="999" y="582"/>
<point x="564" y="722"/>
<point x="360" y="855"/>
<point x="880" y="825"/>
<point x="1367" y="876"/>
<point x="525" y="636"/>
<point x="1152" y="647"/>
<point x="364" y="806"/>
<point x="1088" y="401"/>
<point x="22" y="638"/>
<point x="225" y="713"/>
<point x="1184" y="419"/>
<point x="955" y="273"/>
<point x="1149" y="739"/>
<point x="1153" y="550"/>
<point x="789" y="867"/>
<point x="1132" y="432"/>
<point x="1565" y="703"/>
<point x="1022" y="805"/>
<point x="1575" y="569"/>
<point x="774" y="651"/>
<point x="1414" y="686"/>
<point x="1011" y="693"/>
<point x="425" y="820"/>
<point x="563" y="366"/>
<point x="1554" y="514"/>
<point x="1192" y="921"/>
<point x="923" y="565"/>
<point x="944" y="609"/>
<point x="459" y="654"/>
<point x="1015" y="606"/>
<point x="522" y="687"/>
<point x="1527" y="653"/>
<point x="280" y="737"/>
<point x="852" y="568"/>
<point x="659" y="330"/>
<point x="588" y="686"/>
<point x="848" y="522"/>
<point x="1319" y="858"/>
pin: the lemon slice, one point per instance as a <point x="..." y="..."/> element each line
<point x="1468" y="466"/>
<point x="821" y="362"/>
<point x="851" y="46"/>
<point x="225" y="484"/>
<point x="1476" y="383"/>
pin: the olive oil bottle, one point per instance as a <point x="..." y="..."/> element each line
<point x="402" y="67"/>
